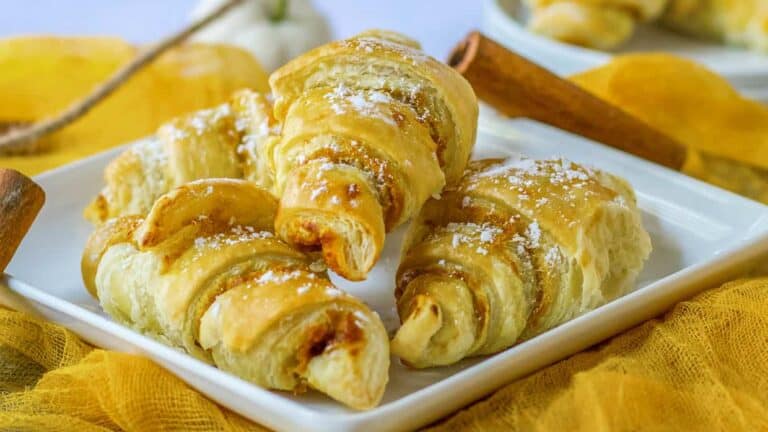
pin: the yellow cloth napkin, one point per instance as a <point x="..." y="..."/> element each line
<point x="50" y="380"/>
<point x="702" y="367"/>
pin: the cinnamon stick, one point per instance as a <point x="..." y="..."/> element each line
<point x="520" y="88"/>
<point x="20" y="201"/>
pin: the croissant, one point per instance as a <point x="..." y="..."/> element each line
<point x="517" y="247"/>
<point x="224" y="142"/>
<point x="602" y="24"/>
<point x="371" y="128"/>
<point x="738" y="22"/>
<point x="205" y="273"/>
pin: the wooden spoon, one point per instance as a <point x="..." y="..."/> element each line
<point x="518" y="87"/>
<point x="20" y="201"/>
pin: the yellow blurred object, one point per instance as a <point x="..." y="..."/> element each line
<point x="41" y="76"/>
<point x="726" y="133"/>
<point x="686" y="100"/>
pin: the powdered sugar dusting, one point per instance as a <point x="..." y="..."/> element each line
<point x="254" y="137"/>
<point x="549" y="184"/>
<point x="235" y="235"/>
<point x="333" y="292"/>
<point x="553" y="256"/>
<point x="533" y="233"/>
<point x="472" y="233"/>
<point x="198" y="123"/>
<point x="271" y="276"/>
<point x="368" y="103"/>
<point x="371" y="44"/>
<point x="316" y="192"/>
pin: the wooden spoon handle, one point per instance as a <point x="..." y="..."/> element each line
<point x="518" y="87"/>
<point x="20" y="201"/>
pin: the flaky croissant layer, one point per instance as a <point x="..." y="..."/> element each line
<point x="204" y="272"/>
<point x="517" y="247"/>
<point x="222" y="142"/>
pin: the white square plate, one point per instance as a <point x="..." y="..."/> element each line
<point x="700" y="235"/>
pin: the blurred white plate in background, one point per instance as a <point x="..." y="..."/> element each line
<point x="504" y="21"/>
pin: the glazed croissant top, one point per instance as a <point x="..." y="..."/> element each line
<point x="372" y="127"/>
<point x="517" y="247"/>
<point x="394" y="64"/>
<point x="222" y="142"/>
<point x="204" y="272"/>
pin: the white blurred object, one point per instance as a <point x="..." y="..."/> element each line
<point x="274" y="31"/>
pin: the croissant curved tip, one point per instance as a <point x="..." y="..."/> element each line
<point x="333" y="207"/>
<point x="355" y="374"/>
<point x="411" y="342"/>
<point x="111" y="232"/>
<point x="356" y="380"/>
<point x="348" y="248"/>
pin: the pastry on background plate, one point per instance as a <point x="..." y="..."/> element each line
<point x="736" y="22"/>
<point x="602" y="24"/>
<point x="606" y="24"/>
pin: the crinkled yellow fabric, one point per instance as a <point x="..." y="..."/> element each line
<point x="50" y="380"/>
<point x="702" y="367"/>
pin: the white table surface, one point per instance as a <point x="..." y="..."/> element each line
<point x="437" y="24"/>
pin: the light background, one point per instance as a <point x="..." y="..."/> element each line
<point x="437" y="24"/>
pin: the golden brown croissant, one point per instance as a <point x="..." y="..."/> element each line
<point x="738" y="22"/>
<point x="602" y="24"/>
<point x="372" y="127"/>
<point x="223" y="142"/>
<point x="204" y="272"/>
<point x="516" y="248"/>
